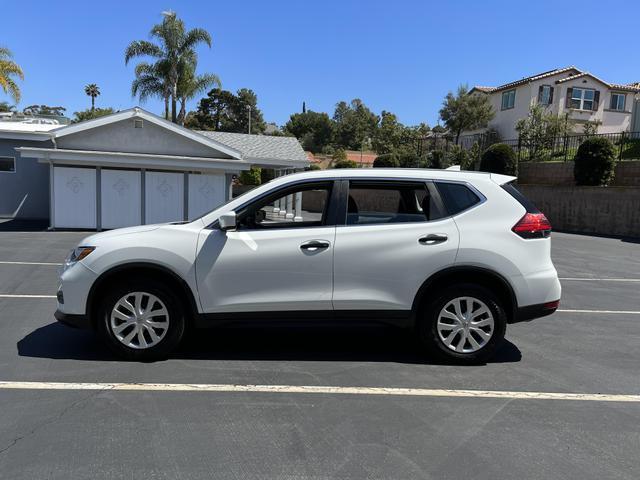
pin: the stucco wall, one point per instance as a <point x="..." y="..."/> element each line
<point x="601" y="210"/>
<point x="123" y="137"/>
<point x="30" y="182"/>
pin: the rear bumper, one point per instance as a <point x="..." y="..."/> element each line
<point x="74" y="321"/>
<point x="531" y="312"/>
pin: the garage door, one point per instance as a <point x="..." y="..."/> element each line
<point x="74" y="197"/>
<point x="206" y="192"/>
<point x="121" y="200"/>
<point x="164" y="197"/>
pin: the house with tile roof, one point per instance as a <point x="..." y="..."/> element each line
<point x="579" y="95"/>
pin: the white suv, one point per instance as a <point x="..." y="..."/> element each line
<point x="455" y="255"/>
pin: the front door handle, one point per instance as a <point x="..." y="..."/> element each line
<point x="314" y="245"/>
<point x="432" y="239"/>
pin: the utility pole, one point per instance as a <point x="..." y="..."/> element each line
<point x="249" y="113"/>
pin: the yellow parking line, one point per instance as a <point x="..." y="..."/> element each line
<point x="297" y="389"/>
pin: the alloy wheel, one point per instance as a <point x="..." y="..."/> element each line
<point x="465" y="324"/>
<point x="139" y="320"/>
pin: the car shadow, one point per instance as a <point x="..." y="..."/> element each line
<point x="301" y="343"/>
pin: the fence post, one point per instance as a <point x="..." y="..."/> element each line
<point x="566" y="146"/>
<point x="621" y="146"/>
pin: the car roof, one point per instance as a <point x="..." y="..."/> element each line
<point x="401" y="173"/>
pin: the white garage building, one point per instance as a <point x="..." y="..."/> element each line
<point x="133" y="168"/>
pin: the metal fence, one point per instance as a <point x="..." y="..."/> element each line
<point x="558" y="148"/>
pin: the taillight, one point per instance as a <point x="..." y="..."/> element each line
<point x="533" y="225"/>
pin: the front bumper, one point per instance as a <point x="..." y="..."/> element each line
<point x="74" y="321"/>
<point x="531" y="312"/>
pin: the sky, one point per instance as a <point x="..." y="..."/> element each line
<point x="399" y="56"/>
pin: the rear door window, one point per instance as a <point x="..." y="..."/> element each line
<point x="457" y="197"/>
<point x="390" y="202"/>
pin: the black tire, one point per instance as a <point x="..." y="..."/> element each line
<point x="176" y="317"/>
<point x="428" y="319"/>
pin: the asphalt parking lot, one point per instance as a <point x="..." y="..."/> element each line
<point x="591" y="346"/>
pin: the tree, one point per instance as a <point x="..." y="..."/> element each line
<point x="174" y="50"/>
<point x="91" y="113"/>
<point x="252" y="176"/>
<point x="44" y="110"/>
<point x="9" y="70"/>
<point x="223" y="111"/>
<point x="539" y="130"/>
<point x="463" y="111"/>
<point x="93" y="91"/>
<point x="190" y="85"/>
<point x="7" y="107"/>
<point x="386" y="160"/>
<point x="314" y="130"/>
<point x="354" y="124"/>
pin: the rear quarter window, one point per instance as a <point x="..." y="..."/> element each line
<point x="457" y="197"/>
<point x="511" y="189"/>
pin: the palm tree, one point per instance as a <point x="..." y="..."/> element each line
<point x="175" y="49"/>
<point x="190" y="85"/>
<point x="152" y="81"/>
<point x="8" y="70"/>
<point x="93" y="91"/>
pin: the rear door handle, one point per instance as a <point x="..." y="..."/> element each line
<point x="432" y="239"/>
<point x="314" y="245"/>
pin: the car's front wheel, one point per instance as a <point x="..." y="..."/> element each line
<point x="465" y="323"/>
<point x="141" y="320"/>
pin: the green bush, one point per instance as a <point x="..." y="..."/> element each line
<point x="499" y="158"/>
<point x="345" y="164"/>
<point x="388" y="160"/>
<point x="595" y="162"/>
<point x="251" y="177"/>
<point x="409" y="160"/>
<point x="439" y="159"/>
<point x="313" y="166"/>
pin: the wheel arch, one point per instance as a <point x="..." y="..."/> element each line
<point x="467" y="274"/>
<point x="139" y="269"/>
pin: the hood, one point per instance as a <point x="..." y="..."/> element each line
<point x="92" y="239"/>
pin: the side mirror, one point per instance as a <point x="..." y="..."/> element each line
<point x="227" y="221"/>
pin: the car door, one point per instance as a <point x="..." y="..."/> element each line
<point x="394" y="236"/>
<point x="279" y="258"/>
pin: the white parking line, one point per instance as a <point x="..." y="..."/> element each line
<point x="18" y="295"/>
<point x="625" y="312"/>
<point x="229" y="388"/>
<point x="582" y="279"/>
<point x="31" y="263"/>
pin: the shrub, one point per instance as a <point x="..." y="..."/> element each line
<point x="313" y="166"/>
<point x="345" y="164"/>
<point x="251" y="177"/>
<point x="409" y="160"/>
<point x="594" y="162"/>
<point x="339" y="155"/>
<point x="388" y="160"/>
<point x="499" y="158"/>
<point x="439" y="159"/>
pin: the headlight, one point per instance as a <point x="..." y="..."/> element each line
<point x="76" y="255"/>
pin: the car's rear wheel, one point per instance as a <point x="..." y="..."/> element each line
<point x="465" y="323"/>
<point x="141" y="320"/>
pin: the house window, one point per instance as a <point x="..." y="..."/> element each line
<point x="617" y="101"/>
<point x="545" y="95"/>
<point x="7" y="164"/>
<point x="508" y="99"/>
<point x="583" y="99"/>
